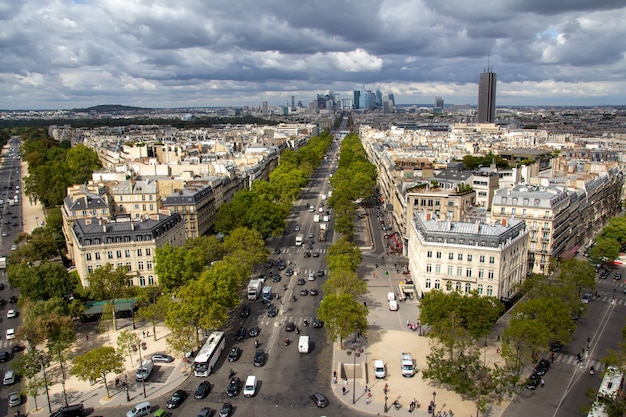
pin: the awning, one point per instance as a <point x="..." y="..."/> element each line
<point x="96" y="307"/>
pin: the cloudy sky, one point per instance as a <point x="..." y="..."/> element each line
<point x="179" y="53"/>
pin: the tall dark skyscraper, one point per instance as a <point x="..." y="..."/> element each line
<point x="487" y="97"/>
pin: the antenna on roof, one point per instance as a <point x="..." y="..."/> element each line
<point x="488" y="56"/>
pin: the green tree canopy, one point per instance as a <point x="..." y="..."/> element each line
<point x="98" y="363"/>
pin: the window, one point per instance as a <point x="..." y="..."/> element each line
<point x="437" y="284"/>
<point x="513" y="211"/>
<point x="140" y="265"/>
<point x="458" y="286"/>
<point x="148" y="264"/>
<point x="127" y="253"/>
<point x="148" y="252"/>
<point x="139" y="252"/>
<point x="460" y="257"/>
<point x="128" y="267"/>
<point x="492" y="260"/>
<point x="490" y="275"/>
<point x="449" y="270"/>
<point x="480" y="289"/>
<point x="438" y="269"/>
<point x="429" y="268"/>
<point x="481" y="273"/>
<point x="142" y="282"/>
<point x="502" y="210"/>
<point x="468" y="272"/>
<point x="118" y="254"/>
<point x="468" y="287"/>
<point x="524" y="212"/>
<point x="110" y="255"/>
<point x="470" y="257"/>
<point x="130" y="282"/>
<point x="427" y="282"/>
<point x="429" y="254"/>
<point x="150" y="280"/>
<point x="451" y="255"/>
<point x="97" y="255"/>
<point x="88" y="256"/>
<point x="459" y="271"/>
<point x="89" y="269"/>
<point x="136" y="206"/>
<point x="448" y="286"/>
<point x="489" y="290"/>
<point x="438" y="255"/>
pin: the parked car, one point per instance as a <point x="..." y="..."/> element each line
<point x="307" y="254"/>
<point x="226" y="410"/>
<point x="11" y="314"/>
<point x="317" y="323"/>
<point x="254" y="331"/>
<point x="533" y="381"/>
<point x="290" y="326"/>
<point x="205" y="412"/>
<point x="259" y="358"/>
<point x="203" y="390"/>
<point x="301" y="281"/>
<point x="5" y="356"/>
<point x="316" y="254"/>
<point x="234" y="354"/>
<point x="304" y="291"/>
<point x="272" y="311"/>
<point x="176" y="399"/>
<point x="313" y="291"/>
<point x="234" y="387"/>
<point x="14" y="399"/>
<point x="542" y="367"/>
<point x="241" y="334"/>
<point x="269" y="264"/>
<point x="245" y="311"/>
<point x="162" y="357"/>
<point x="289" y="272"/>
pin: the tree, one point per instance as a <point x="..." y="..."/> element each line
<point x="605" y="249"/>
<point x="177" y="266"/>
<point x="182" y="339"/>
<point x="155" y="312"/>
<point x="107" y="283"/>
<point x="342" y="316"/>
<point x="29" y="366"/>
<point x="43" y="281"/>
<point x="125" y="342"/>
<point x="81" y="162"/>
<point x="98" y="362"/>
<point x="247" y="246"/>
<point x="342" y="281"/>
<point x="580" y="274"/>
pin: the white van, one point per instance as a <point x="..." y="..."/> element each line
<point x="393" y="305"/>
<point x="391" y="296"/>
<point x="379" y="368"/>
<point x="9" y="378"/>
<point x="250" y="388"/>
<point x="144" y="371"/>
<point x="141" y="409"/>
<point x="303" y="344"/>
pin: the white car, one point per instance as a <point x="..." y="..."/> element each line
<point x="10" y="334"/>
<point x="586" y="298"/>
<point x="393" y="305"/>
<point x="11" y="314"/>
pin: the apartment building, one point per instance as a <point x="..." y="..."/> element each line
<point x="546" y="210"/>
<point x="489" y="258"/>
<point x="134" y="198"/>
<point x="127" y="243"/>
<point x="196" y="203"/>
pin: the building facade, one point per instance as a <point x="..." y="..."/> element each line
<point x="124" y="243"/>
<point x="487" y="97"/>
<point x="465" y="257"/>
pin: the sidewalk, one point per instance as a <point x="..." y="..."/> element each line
<point x="164" y="379"/>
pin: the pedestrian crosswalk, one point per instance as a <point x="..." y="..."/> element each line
<point x="587" y="363"/>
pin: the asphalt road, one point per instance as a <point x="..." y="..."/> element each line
<point x="288" y="377"/>
<point x="567" y="383"/>
<point x="10" y="177"/>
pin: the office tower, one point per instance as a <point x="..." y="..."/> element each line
<point x="392" y="99"/>
<point x="439" y="102"/>
<point x="265" y="108"/>
<point x="356" y="101"/>
<point x="378" y="101"/>
<point x="293" y="103"/>
<point x="487" y="97"/>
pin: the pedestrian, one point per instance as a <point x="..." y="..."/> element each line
<point x="408" y="323"/>
<point x="542" y="382"/>
<point x="147" y="333"/>
<point x="143" y="334"/>
<point x="386" y="388"/>
<point x="365" y="389"/>
<point x="345" y="382"/>
<point x="343" y="390"/>
<point x="86" y="337"/>
<point x="364" y="304"/>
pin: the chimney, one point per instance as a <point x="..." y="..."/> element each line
<point x="427" y="216"/>
<point x="504" y="222"/>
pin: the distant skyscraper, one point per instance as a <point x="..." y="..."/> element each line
<point x="264" y="108"/>
<point x="439" y="102"/>
<point x="293" y="103"/>
<point x="487" y="97"/>
<point x="357" y="98"/>
<point x="392" y="99"/>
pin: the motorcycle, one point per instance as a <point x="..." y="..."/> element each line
<point x="231" y="373"/>
<point x="256" y="343"/>
<point x="285" y="287"/>
<point x="306" y="322"/>
<point x="297" y="331"/>
<point x="592" y="371"/>
<point x="396" y="404"/>
<point x="293" y="298"/>
<point x="287" y="342"/>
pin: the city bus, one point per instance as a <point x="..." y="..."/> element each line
<point x="208" y="355"/>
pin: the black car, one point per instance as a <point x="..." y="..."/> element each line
<point x="269" y="264"/>
<point x="226" y="410"/>
<point x="290" y="326"/>
<point x="234" y="354"/>
<point x="241" y="334"/>
<point x="320" y="273"/>
<point x="317" y="323"/>
<point x="203" y="390"/>
<point x="307" y="254"/>
<point x="254" y="331"/>
<point x="555" y="346"/>
<point x="234" y="387"/>
<point x="259" y="358"/>
<point x="320" y="399"/>
<point x="289" y="272"/>
<point x="316" y="254"/>
<point x="304" y="291"/>
<point x="276" y="278"/>
<point x="313" y="291"/>
<point x="533" y="381"/>
<point x="542" y="367"/>
<point x="301" y="281"/>
<point x="282" y="265"/>
<point x="276" y="251"/>
<point x="176" y="399"/>
<point x="12" y="299"/>
<point x="245" y="311"/>
<point x="4" y="356"/>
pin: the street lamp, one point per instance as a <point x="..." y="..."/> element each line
<point x="356" y="355"/>
<point x="143" y="377"/>
<point x="42" y="361"/>
<point x="434" y="404"/>
<point x="126" y="386"/>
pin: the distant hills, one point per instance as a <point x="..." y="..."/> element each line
<point x="109" y="108"/>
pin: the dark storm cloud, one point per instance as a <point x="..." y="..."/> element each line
<point x="195" y="52"/>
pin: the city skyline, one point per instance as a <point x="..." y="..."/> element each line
<point x="61" y="54"/>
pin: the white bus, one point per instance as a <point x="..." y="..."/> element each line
<point x="612" y="382"/>
<point x="207" y="357"/>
